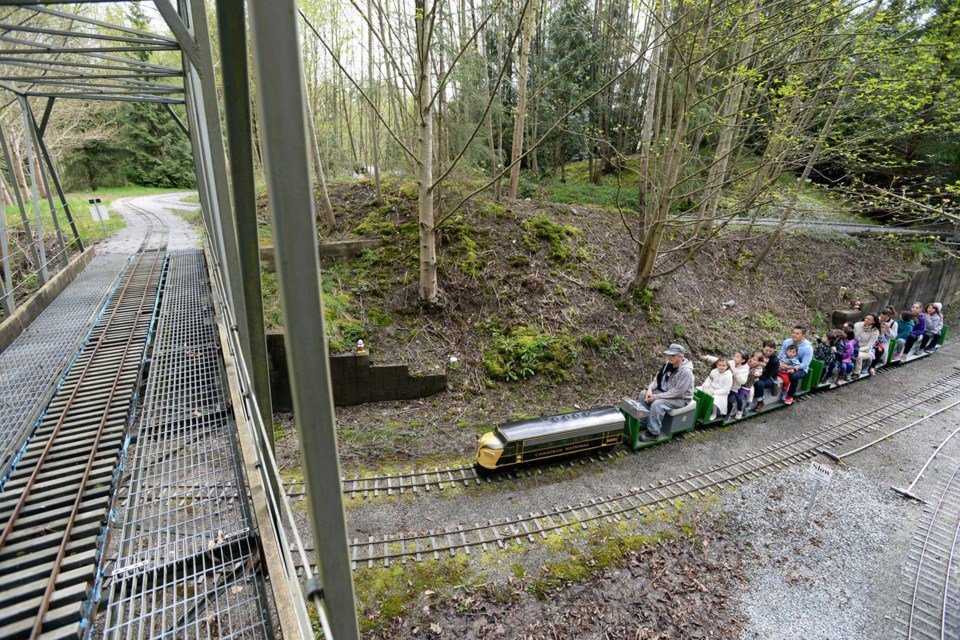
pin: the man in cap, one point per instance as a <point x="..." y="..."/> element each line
<point x="672" y="388"/>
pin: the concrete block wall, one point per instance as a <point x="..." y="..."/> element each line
<point x="331" y="251"/>
<point x="937" y="281"/>
<point x="355" y="380"/>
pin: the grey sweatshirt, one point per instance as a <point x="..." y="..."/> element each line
<point x="680" y="384"/>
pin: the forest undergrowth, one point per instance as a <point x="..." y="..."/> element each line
<point x="536" y="317"/>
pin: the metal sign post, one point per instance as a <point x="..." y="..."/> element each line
<point x="822" y="473"/>
<point x="99" y="212"/>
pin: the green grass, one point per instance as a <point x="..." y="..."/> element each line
<point x="602" y="195"/>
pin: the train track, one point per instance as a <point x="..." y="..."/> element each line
<point x="930" y="604"/>
<point x="56" y="501"/>
<point x="439" y="479"/>
<point x="479" y="537"/>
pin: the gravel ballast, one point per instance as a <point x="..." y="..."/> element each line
<point x="813" y="580"/>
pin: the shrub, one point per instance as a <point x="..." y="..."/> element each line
<point x="540" y="227"/>
<point x="524" y="352"/>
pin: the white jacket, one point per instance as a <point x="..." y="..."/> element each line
<point x="718" y="385"/>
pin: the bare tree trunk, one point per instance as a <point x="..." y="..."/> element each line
<point x="374" y="133"/>
<point x="428" y="246"/>
<point x="730" y="118"/>
<point x="517" y="149"/>
<point x="811" y="161"/>
<point x="326" y="209"/>
<point x="646" y="132"/>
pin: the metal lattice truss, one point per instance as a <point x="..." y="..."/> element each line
<point x="49" y="53"/>
<point x="54" y="54"/>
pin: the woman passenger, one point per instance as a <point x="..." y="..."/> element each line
<point x="934" y="325"/>
<point x="866" y="332"/>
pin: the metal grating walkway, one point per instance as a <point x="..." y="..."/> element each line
<point x="188" y="563"/>
<point x="32" y="365"/>
<point x="58" y="497"/>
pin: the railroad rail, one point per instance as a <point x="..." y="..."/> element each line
<point x="439" y="479"/>
<point x="52" y="339"/>
<point x="58" y="497"/>
<point x="416" y="545"/>
<point x="929" y="606"/>
<point x="53" y="508"/>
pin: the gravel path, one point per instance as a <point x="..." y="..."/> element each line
<point x="180" y="234"/>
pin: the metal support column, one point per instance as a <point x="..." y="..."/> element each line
<point x="44" y="276"/>
<point x="9" y="304"/>
<point x="211" y="134"/>
<point x="31" y="130"/>
<point x="236" y="93"/>
<point x="16" y="192"/>
<point x="277" y="59"/>
<point x="53" y="173"/>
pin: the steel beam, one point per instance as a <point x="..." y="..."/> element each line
<point x="176" y="118"/>
<point x="127" y="64"/>
<point x="107" y="97"/>
<point x="236" y="93"/>
<point x="277" y="58"/>
<point x="187" y="44"/>
<point x="19" y="197"/>
<point x="31" y="130"/>
<point x="9" y="304"/>
<point x="82" y="50"/>
<point x="53" y="172"/>
<point x="41" y="248"/>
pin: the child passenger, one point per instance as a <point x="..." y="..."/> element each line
<point x="718" y="384"/>
<point x="756" y="364"/>
<point x="793" y="364"/>
<point x="934" y="325"/>
<point x="825" y="352"/>
<point x="846" y="361"/>
<point x="904" y="329"/>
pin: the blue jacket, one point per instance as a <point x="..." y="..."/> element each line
<point x="804" y="352"/>
<point x="904" y="329"/>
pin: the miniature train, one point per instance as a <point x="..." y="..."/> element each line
<point x="572" y="434"/>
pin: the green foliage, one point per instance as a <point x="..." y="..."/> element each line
<point x="379" y="318"/>
<point x="525" y="352"/>
<point x="493" y="209"/>
<point x="925" y="249"/>
<point x="606" y="288"/>
<point x="159" y="153"/>
<point x="605" y="343"/>
<point x="607" y="546"/>
<point x="644" y="298"/>
<point x="769" y="323"/>
<point x="541" y="228"/>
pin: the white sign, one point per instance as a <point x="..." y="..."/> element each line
<point x="98" y="211"/>
<point x="821" y="472"/>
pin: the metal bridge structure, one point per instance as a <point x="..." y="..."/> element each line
<point x="139" y="492"/>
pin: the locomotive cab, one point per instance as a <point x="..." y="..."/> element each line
<point x="489" y="450"/>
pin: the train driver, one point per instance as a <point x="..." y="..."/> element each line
<point x="671" y="389"/>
